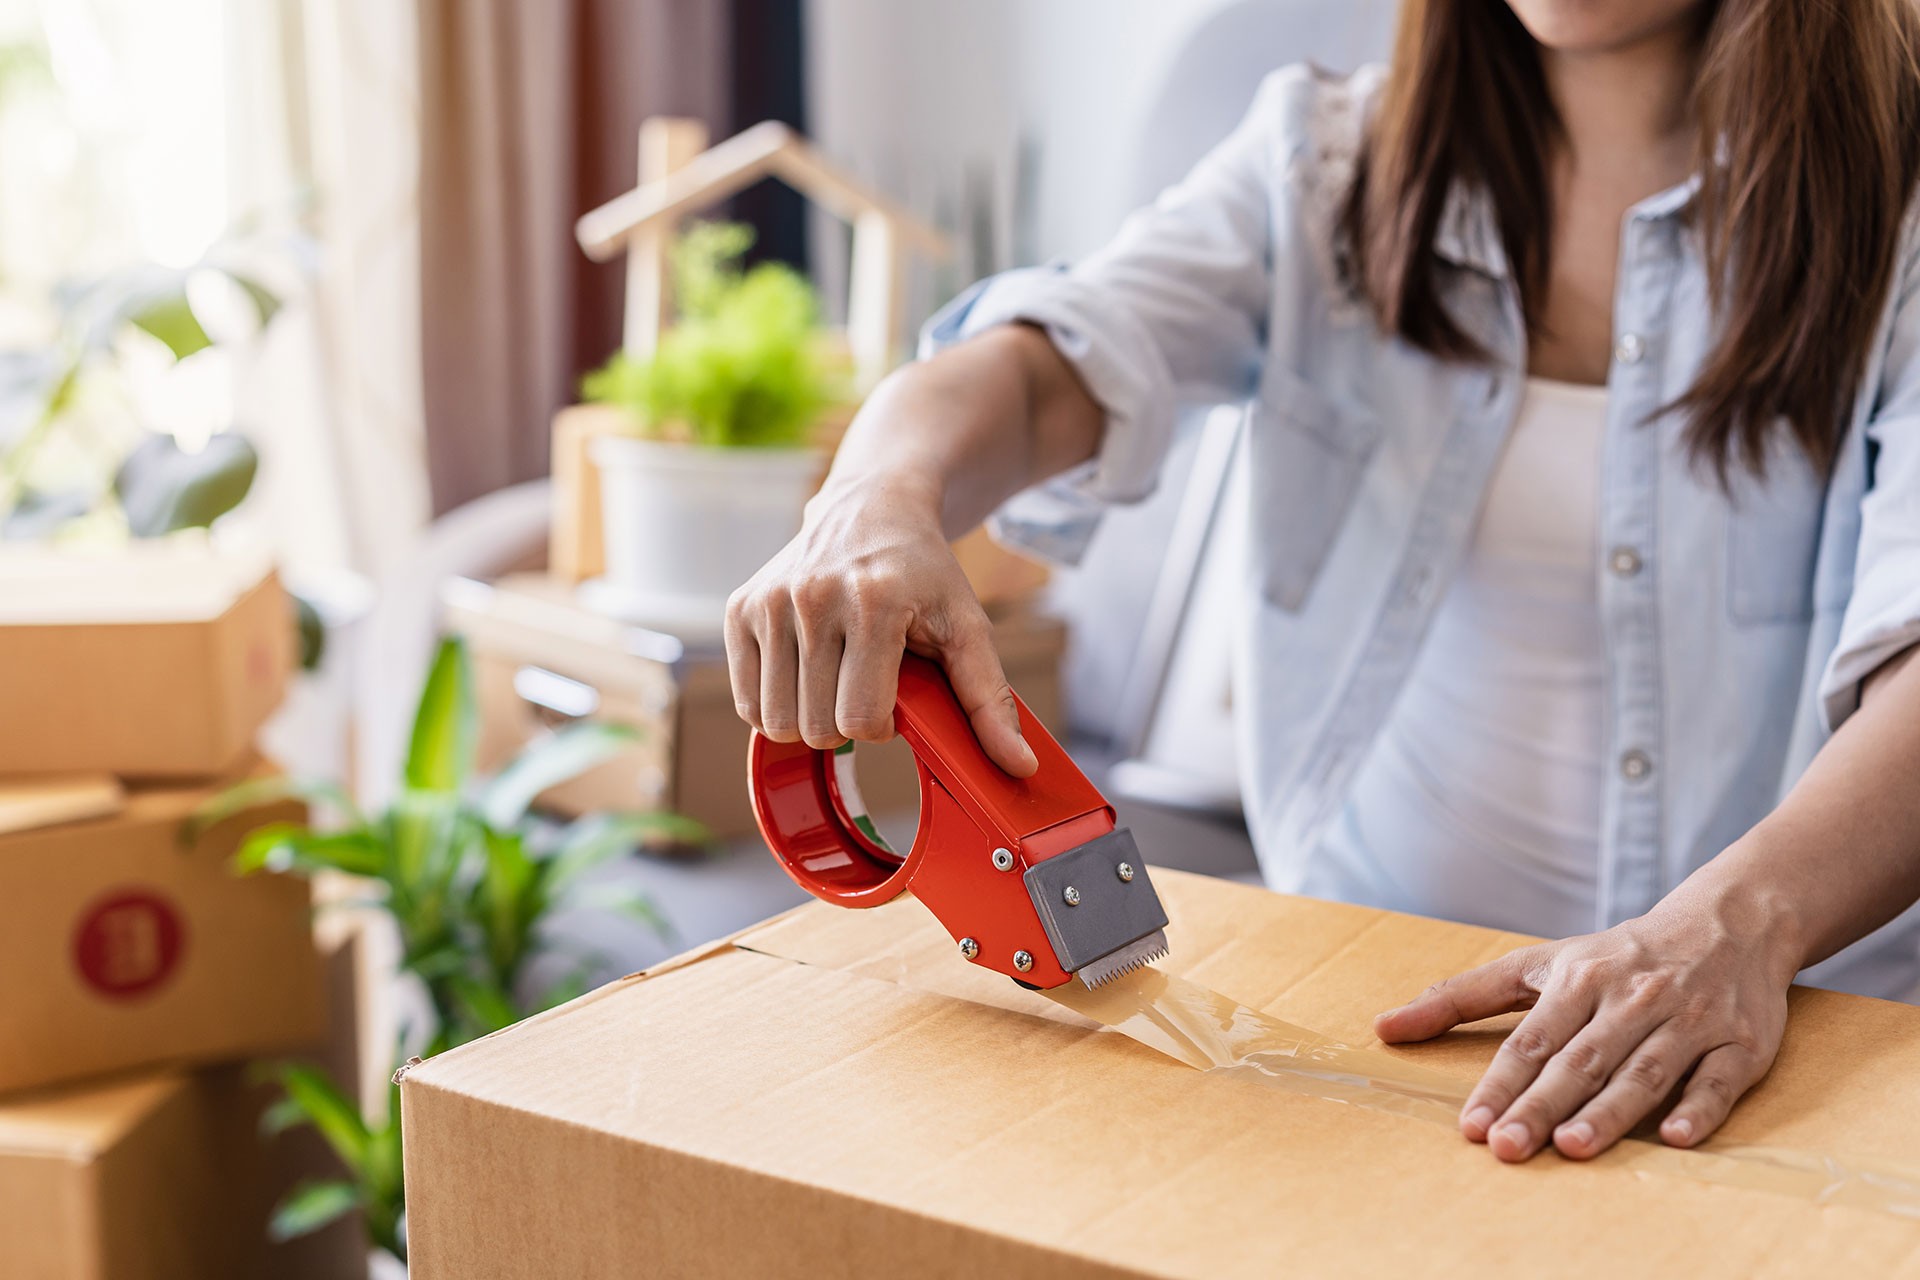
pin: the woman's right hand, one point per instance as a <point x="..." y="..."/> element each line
<point x="814" y="640"/>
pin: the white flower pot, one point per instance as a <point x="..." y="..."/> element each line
<point x="685" y="525"/>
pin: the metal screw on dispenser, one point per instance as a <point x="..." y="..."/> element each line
<point x="1072" y="895"/>
<point x="1003" y="860"/>
<point x="969" y="948"/>
<point x="1023" y="960"/>
<point x="1126" y="872"/>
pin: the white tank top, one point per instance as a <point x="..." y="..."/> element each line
<point x="1481" y="799"/>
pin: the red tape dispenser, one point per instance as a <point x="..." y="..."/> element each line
<point x="1031" y="877"/>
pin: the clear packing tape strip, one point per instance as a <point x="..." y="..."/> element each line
<point x="1211" y="1032"/>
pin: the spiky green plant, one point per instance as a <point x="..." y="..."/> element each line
<point x="470" y="884"/>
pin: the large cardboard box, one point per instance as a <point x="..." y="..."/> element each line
<point x="121" y="946"/>
<point x="166" y="1176"/>
<point x="837" y="1093"/>
<point x="541" y="660"/>
<point x="154" y="661"/>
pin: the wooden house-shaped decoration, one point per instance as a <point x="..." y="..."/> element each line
<point x="681" y="176"/>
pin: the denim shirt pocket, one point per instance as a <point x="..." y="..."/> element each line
<point x="1307" y="454"/>
<point x="1773" y="538"/>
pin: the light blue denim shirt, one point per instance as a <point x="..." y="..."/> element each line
<point x="1737" y="627"/>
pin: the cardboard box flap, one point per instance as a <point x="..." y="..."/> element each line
<point x="864" y="1084"/>
<point x="141" y="582"/>
<point x="30" y="803"/>
<point x="79" y="1124"/>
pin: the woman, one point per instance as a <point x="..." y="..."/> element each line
<point x="1584" y="452"/>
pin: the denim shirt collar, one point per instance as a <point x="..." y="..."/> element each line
<point x="1469" y="236"/>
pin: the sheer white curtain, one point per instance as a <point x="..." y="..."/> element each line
<point x="323" y="100"/>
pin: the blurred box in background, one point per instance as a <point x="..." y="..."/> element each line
<point x="165" y="1175"/>
<point x="542" y="660"/>
<point x="154" y="661"/>
<point x="121" y="946"/>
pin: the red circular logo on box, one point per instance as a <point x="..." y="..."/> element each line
<point x="128" y="944"/>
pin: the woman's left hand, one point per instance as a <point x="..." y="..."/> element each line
<point x="1617" y="1020"/>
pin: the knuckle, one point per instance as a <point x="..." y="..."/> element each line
<point x="1584" y="1062"/>
<point x="815" y="595"/>
<point x="1528" y="1046"/>
<point x="970" y="626"/>
<point x="780" y="727"/>
<point x="866" y="726"/>
<point x="1584" y="973"/>
<point x="878" y="590"/>
<point x="1649" y="987"/>
<point x="1646" y="1072"/>
<point x="1715" y="1086"/>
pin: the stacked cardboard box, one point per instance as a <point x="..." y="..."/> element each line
<point x="138" y="972"/>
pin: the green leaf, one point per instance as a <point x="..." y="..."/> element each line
<point x="283" y="1115"/>
<point x="508" y="900"/>
<point x="330" y="1110"/>
<point x="437" y="961"/>
<point x="307" y="625"/>
<point x="446" y="725"/>
<point x="547" y="762"/>
<point x="287" y="846"/>
<point x="169" y="318"/>
<point x="590" y="841"/>
<point x="256" y="793"/>
<point x="484" y="1007"/>
<point x="162" y="488"/>
<point x="310" y="1206"/>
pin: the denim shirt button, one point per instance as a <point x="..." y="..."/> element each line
<point x="1625" y="562"/>
<point x="1635" y="765"/>
<point x="1630" y="348"/>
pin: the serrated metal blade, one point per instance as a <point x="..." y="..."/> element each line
<point x="1141" y="951"/>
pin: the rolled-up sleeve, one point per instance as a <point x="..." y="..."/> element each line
<point x="1883" y="613"/>
<point x="1172" y="312"/>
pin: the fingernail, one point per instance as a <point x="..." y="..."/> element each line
<point x="1027" y="752"/>
<point x="1679" y="1129"/>
<point x="1517" y="1136"/>
<point x="1579" y="1133"/>
<point x="1480" y="1119"/>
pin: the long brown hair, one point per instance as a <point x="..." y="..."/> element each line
<point x="1809" y="148"/>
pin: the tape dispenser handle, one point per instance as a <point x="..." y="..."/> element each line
<point x="809" y="808"/>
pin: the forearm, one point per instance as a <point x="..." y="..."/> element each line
<point x="966" y="430"/>
<point x="1840" y="856"/>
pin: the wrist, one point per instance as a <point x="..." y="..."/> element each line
<point x="1747" y="901"/>
<point x="896" y="494"/>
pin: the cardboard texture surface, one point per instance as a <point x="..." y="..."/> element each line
<point x="164" y="1176"/>
<point x="156" y="662"/>
<point x="122" y="948"/>
<point x="837" y="1093"/>
<point x="541" y="660"/>
<point x="26" y="803"/>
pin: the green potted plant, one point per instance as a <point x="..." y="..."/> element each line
<point x="720" y="459"/>
<point x="470" y="885"/>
